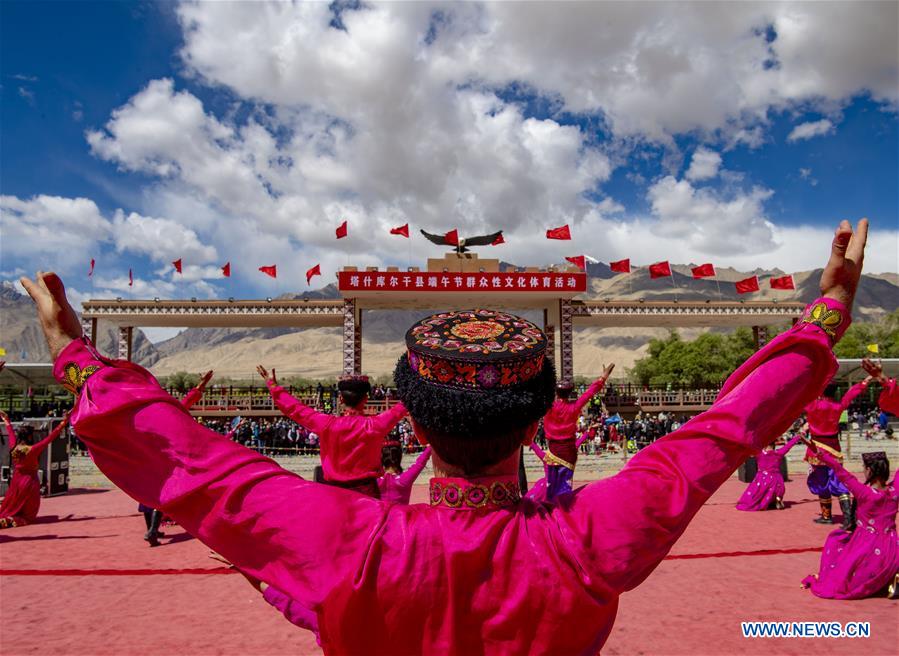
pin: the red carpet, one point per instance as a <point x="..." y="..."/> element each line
<point x="83" y="582"/>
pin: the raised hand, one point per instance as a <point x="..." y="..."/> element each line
<point x="607" y="371"/>
<point x="264" y="373"/>
<point x="204" y="380"/>
<point x="840" y="278"/>
<point x="58" y="320"/>
<point x="873" y="369"/>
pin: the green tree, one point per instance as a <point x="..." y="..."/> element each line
<point x="883" y="331"/>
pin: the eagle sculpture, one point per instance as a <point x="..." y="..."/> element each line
<point x="462" y="245"/>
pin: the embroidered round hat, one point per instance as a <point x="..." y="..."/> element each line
<point x="472" y="372"/>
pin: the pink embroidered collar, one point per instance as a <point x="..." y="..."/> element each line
<point x="472" y="494"/>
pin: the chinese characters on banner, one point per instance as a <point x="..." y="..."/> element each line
<point x="461" y="282"/>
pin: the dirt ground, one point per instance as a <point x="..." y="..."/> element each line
<point x="83" y="582"/>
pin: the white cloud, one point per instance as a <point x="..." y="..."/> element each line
<point x="704" y="165"/>
<point x="710" y="221"/>
<point x="64" y="229"/>
<point x="163" y="240"/>
<point x="810" y="130"/>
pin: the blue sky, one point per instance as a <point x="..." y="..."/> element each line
<point x="140" y="132"/>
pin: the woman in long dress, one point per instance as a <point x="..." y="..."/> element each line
<point x="23" y="498"/>
<point x="861" y="563"/>
<point x="767" y="488"/>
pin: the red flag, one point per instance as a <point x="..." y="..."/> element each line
<point x="559" y="233"/>
<point x="747" y="285"/>
<point x="784" y="282"/>
<point x="91" y="272"/>
<point x="621" y="266"/>
<point x="177" y="265"/>
<point x="314" y="271"/>
<point x="341" y="230"/>
<point x="659" y="270"/>
<point x="451" y="238"/>
<point x="270" y="270"/>
<point x="579" y="261"/>
<point x="226" y="270"/>
<point x="402" y="231"/>
<point x="499" y="240"/>
<point x="130" y="278"/>
<point x="703" y="271"/>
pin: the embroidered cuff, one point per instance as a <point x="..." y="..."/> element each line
<point x="829" y="315"/>
<point x="77" y="362"/>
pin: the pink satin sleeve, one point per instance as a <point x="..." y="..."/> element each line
<point x="293" y="534"/>
<point x="621" y="527"/>
<point x="538" y="451"/>
<point x="785" y="449"/>
<point x="190" y="399"/>
<point x="10" y="432"/>
<point x="852" y="393"/>
<point x="594" y="388"/>
<point x="383" y="423"/>
<point x="39" y="447"/>
<point x="408" y="477"/>
<point x="310" y="419"/>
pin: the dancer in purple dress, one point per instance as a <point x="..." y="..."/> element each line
<point x="540" y="491"/>
<point x="860" y="564"/>
<point x="767" y="488"/>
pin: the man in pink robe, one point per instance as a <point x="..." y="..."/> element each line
<point x="480" y="570"/>
<point x="350" y="444"/>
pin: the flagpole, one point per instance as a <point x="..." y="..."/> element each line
<point x="718" y="284"/>
<point x="673" y="286"/>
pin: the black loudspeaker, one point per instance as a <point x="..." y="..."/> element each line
<point x="5" y="470"/>
<point x="783" y="469"/>
<point x="54" y="468"/>
<point x="748" y="470"/>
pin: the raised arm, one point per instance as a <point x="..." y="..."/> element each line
<point x="629" y="522"/>
<point x="408" y="477"/>
<point x="383" y="423"/>
<point x="10" y="431"/>
<point x="38" y="448"/>
<point x="853" y="392"/>
<point x="619" y="529"/>
<point x="269" y="522"/>
<point x="308" y="418"/>
<point x="785" y="449"/>
<point x="583" y="438"/>
<point x="594" y="388"/>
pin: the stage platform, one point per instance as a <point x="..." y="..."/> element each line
<point x="82" y="582"/>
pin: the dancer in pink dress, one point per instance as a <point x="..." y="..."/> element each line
<point x="560" y="428"/>
<point x="479" y="569"/>
<point x="539" y="491"/>
<point x="860" y="564"/>
<point x="767" y="488"/>
<point x="395" y="484"/>
<point x="23" y="497"/>
<point x="351" y="444"/>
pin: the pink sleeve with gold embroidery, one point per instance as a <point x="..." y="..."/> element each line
<point x="626" y="524"/>
<point x="290" y="533"/>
